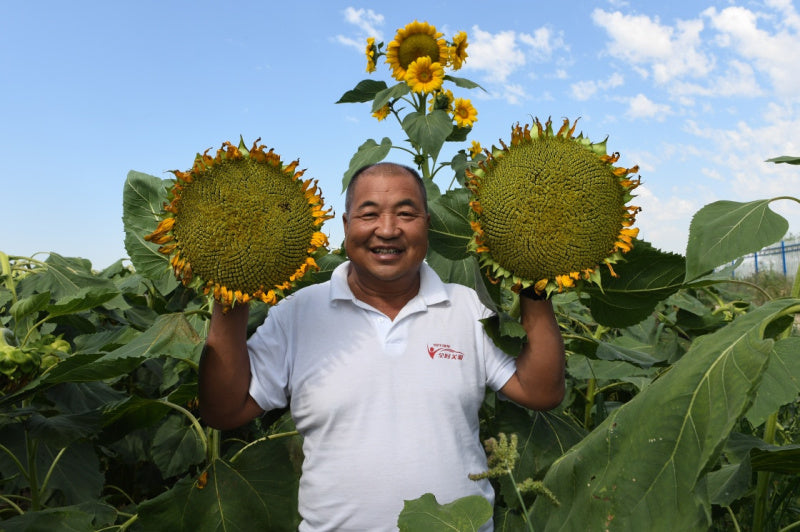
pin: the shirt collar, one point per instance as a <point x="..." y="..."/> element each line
<point x="431" y="287"/>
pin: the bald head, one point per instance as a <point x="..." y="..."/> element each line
<point x="385" y="168"/>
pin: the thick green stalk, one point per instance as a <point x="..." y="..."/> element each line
<point x="762" y="484"/>
<point x="32" y="448"/>
<point x="5" y="270"/>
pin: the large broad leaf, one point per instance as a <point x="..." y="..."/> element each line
<point x="428" y="130"/>
<point x="465" y="271"/>
<point x="726" y="230"/>
<point x="645" y="461"/>
<point x="63" y="277"/>
<point x="464" y="83"/>
<point x="542" y="437"/>
<point x="86" y="298"/>
<point x="176" y="447"/>
<point x="450" y="232"/>
<point x="143" y="198"/>
<point x="781" y="381"/>
<point x="170" y="336"/>
<point x="425" y="513"/>
<point x="646" y="277"/>
<point x="368" y="153"/>
<point x="258" y="491"/>
<point x="363" y="92"/>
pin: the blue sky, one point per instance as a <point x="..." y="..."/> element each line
<point x="697" y="93"/>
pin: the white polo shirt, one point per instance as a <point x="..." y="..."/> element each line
<point x="388" y="409"/>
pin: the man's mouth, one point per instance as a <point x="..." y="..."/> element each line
<point x="386" y="251"/>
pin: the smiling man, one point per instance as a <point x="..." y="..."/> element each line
<point x="384" y="367"/>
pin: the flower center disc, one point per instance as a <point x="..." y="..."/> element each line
<point x="550" y="207"/>
<point x="244" y="224"/>
<point x="415" y="46"/>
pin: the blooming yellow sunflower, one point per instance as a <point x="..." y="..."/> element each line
<point x="241" y="225"/>
<point x="382" y="113"/>
<point x="550" y="208"/>
<point x="464" y="113"/>
<point x="458" y="52"/>
<point x="424" y="76"/>
<point x="415" y="40"/>
<point x="371" y="52"/>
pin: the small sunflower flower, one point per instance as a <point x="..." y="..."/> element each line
<point x="241" y="225"/>
<point x="475" y="149"/>
<point x="371" y="53"/>
<point x="550" y="208"/>
<point x="458" y="52"/>
<point x="423" y="76"/>
<point x="382" y="113"/>
<point x="464" y="113"/>
<point x="442" y="100"/>
<point x="415" y="40"/>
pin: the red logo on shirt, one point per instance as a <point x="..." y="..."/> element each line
<point x="444" y="351"/>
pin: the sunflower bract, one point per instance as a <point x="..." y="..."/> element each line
<point x="242" y="224"/>
<point x="549" y="208"/>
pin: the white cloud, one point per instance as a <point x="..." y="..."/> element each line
<point x="664" y="222"/>
<point x="583" y="90"/>
<point x="771" y="53"/>
<point x="367" y="22"/>
<point x="640" y="106"/>
<point x="543" y="42"/>
<point x="667" y="52"/>
<point x="495" y="54"/>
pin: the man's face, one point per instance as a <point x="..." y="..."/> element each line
<point x="386" y="230"/>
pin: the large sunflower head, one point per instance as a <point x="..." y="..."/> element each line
<point x="550" y="208"/>
<point x="241" y="225"/>
<point x="423" y="76"/>
<point x="415" y="40"/>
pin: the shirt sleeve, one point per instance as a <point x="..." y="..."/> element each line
<point x="269" y="365"/>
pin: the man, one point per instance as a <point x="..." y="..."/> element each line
<point x="384" y="367"/>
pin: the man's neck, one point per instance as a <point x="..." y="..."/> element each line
<point x="387" y="297"/>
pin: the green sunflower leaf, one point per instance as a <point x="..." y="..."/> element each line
<point x="637" y="467"/>
<point x="363" y="92"/>
<point x="389" y="94"/>
<point x="450" y="232"/>
<point x="464" y="83"/>
<point x="257" y="491"/>
<point x="726" y="230"/>
<point x="368" y="153"/>
<point x="785" y="159"/>
<point x="428" y="130"/>
<point x="143" y="197"/>
<point x="425" y="513"/>
<point x="645" y="277"/>
<point x="781" y="383"/>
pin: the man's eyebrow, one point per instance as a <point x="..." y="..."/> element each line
<point x="408" y="202"/>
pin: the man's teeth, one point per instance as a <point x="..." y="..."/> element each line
<point x="386" y="251"/>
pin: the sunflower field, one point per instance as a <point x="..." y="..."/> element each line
<point x="682" y="408"/>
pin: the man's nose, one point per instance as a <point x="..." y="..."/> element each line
<point x="387" y="226"/>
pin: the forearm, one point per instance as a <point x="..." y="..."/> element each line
<point x="224" y="379"/>
<point x="540" y="364"/>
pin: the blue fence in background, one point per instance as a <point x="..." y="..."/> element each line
<point x="781" y="258"/>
